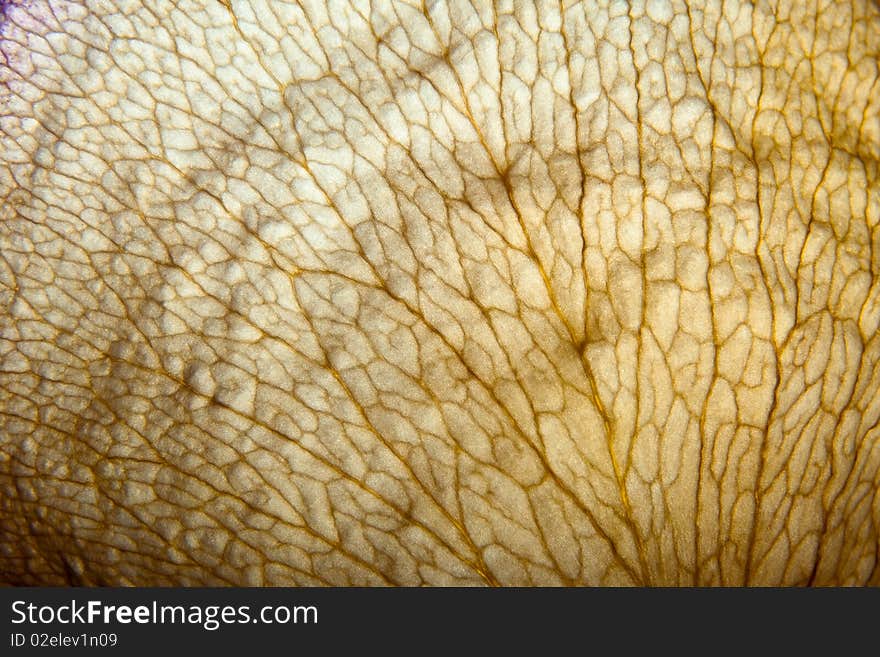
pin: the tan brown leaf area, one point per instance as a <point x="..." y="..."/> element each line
<point x="311" y="292"/>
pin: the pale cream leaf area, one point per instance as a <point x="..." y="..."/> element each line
<point x="298" y="292"/>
